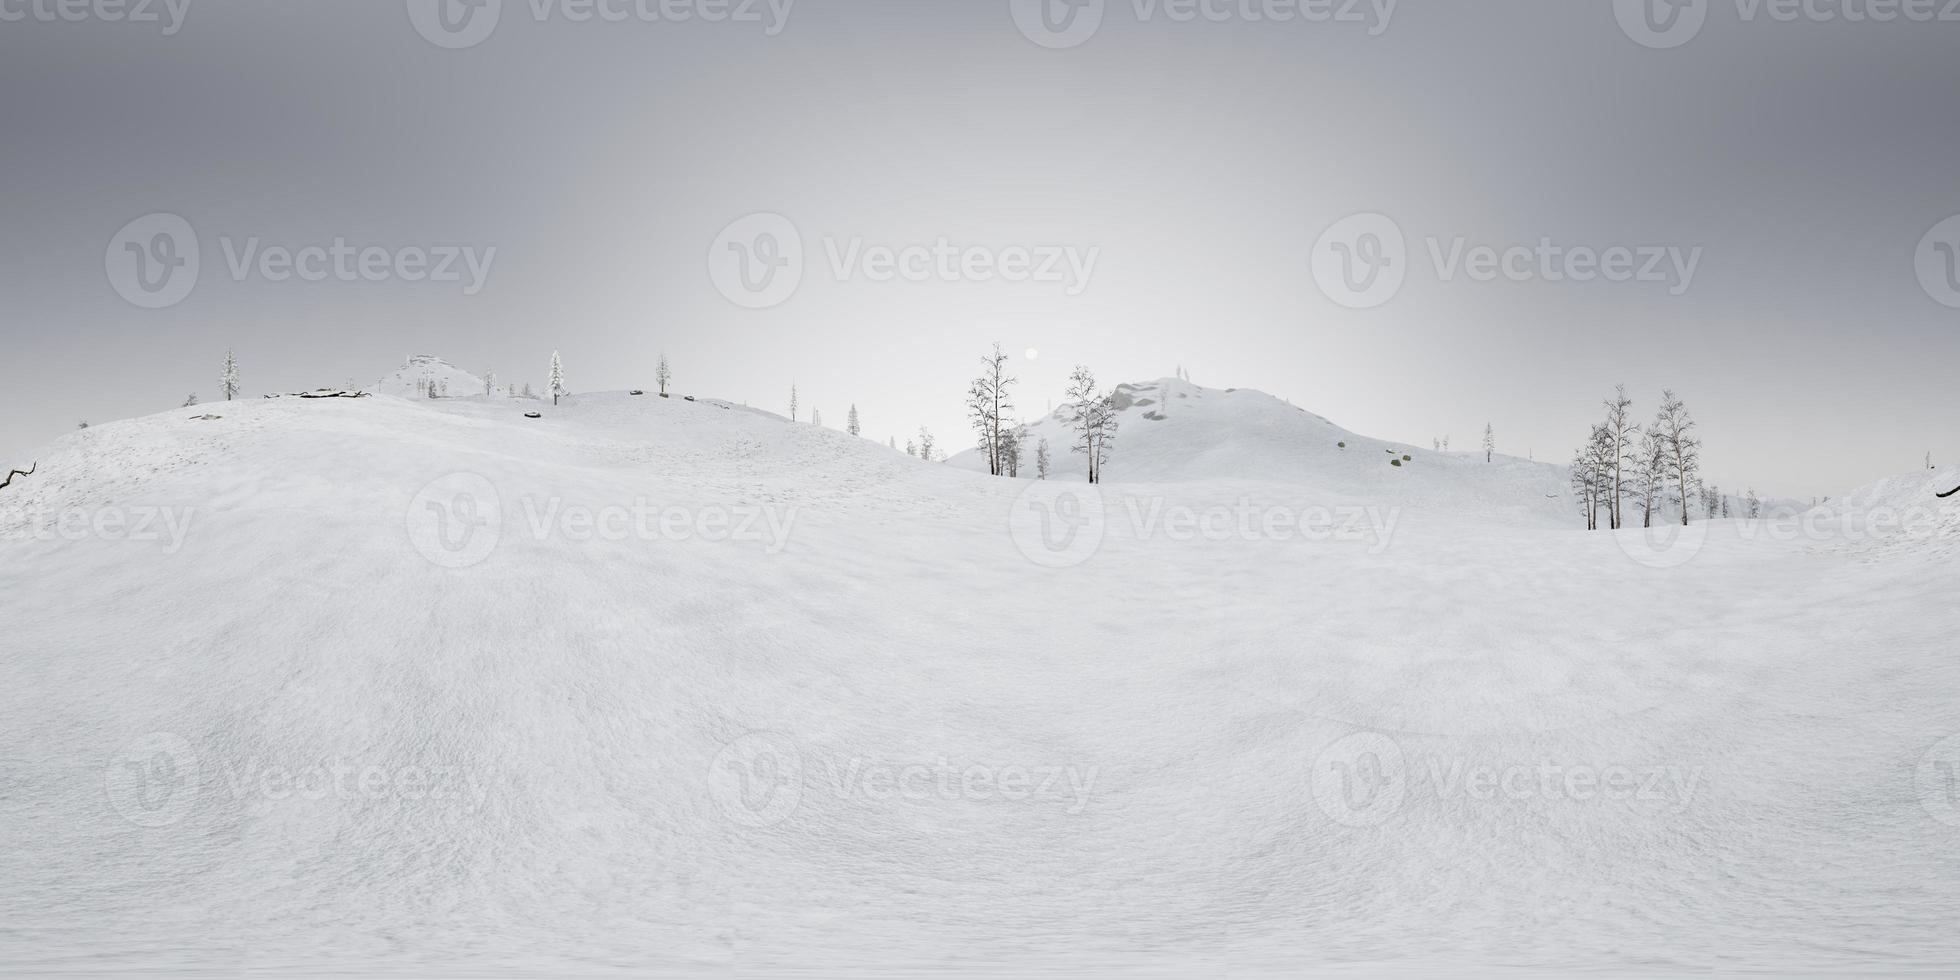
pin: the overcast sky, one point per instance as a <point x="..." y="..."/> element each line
<point x="1784" y="176"/>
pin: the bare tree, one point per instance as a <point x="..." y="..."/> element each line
<point x="1041" y="460"/>
<point x="1754" y="503"/>
<point x="792" y="402"/>
<point x="1681" y="446"/>
<point x="925" y="444"/>
<point x="1094" y="418"/>
<point x="1490" y="443"/>
<point x="988" y="402"/>
<point x="1650" y="479"/>
<point x="816" y="417"/>
<point x="1621" y="427"/>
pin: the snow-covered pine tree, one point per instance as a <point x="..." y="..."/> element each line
<point x="228" y="382"/>
<point x="556" y="382"/>
<point x="192" y="400"/>
<point x="792" y="402"/>
<point x="1681" y="447"/>
<point x="1041" y="460"/>
<point x="1754" y="503"/>
<point x="816" y="416"/>
<point x="851" y="421"/>
<point x="1490" y="443"/>
<point x="489" y="382"/>
<point x="663" y="374"/>
<point x="911" y="448"/>
<point x="925" y="444"/>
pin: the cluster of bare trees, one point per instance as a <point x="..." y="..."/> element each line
<point x="1651" y="467"/>
<point x="1004" y="444"/>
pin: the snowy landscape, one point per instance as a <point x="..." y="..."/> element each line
<point x="670" y="682"/>
<point x="1210" y="488"/>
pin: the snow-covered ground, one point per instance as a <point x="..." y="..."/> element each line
<point x="426" y="687"/>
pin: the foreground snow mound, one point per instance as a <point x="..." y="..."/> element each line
<point x="1901" y="515"/>
<point x="380" y="685"/>
<point x="1172" y="431"/>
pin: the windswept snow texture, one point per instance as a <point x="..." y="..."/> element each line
<point x="351" y="686"/>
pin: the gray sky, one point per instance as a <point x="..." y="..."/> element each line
<point x="1201" y="159"/>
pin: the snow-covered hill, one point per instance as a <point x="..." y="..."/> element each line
<point x="423" y="371"/>
<point x="1172" y="431"/>
<point x="412" y="686"/>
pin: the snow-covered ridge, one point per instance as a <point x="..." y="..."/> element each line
<point x="1172" y="431"/>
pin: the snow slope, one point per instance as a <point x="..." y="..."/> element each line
<point x="1172" y="431"/>
<point x="369" y="695"/>
<point x="403" y="381"/>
